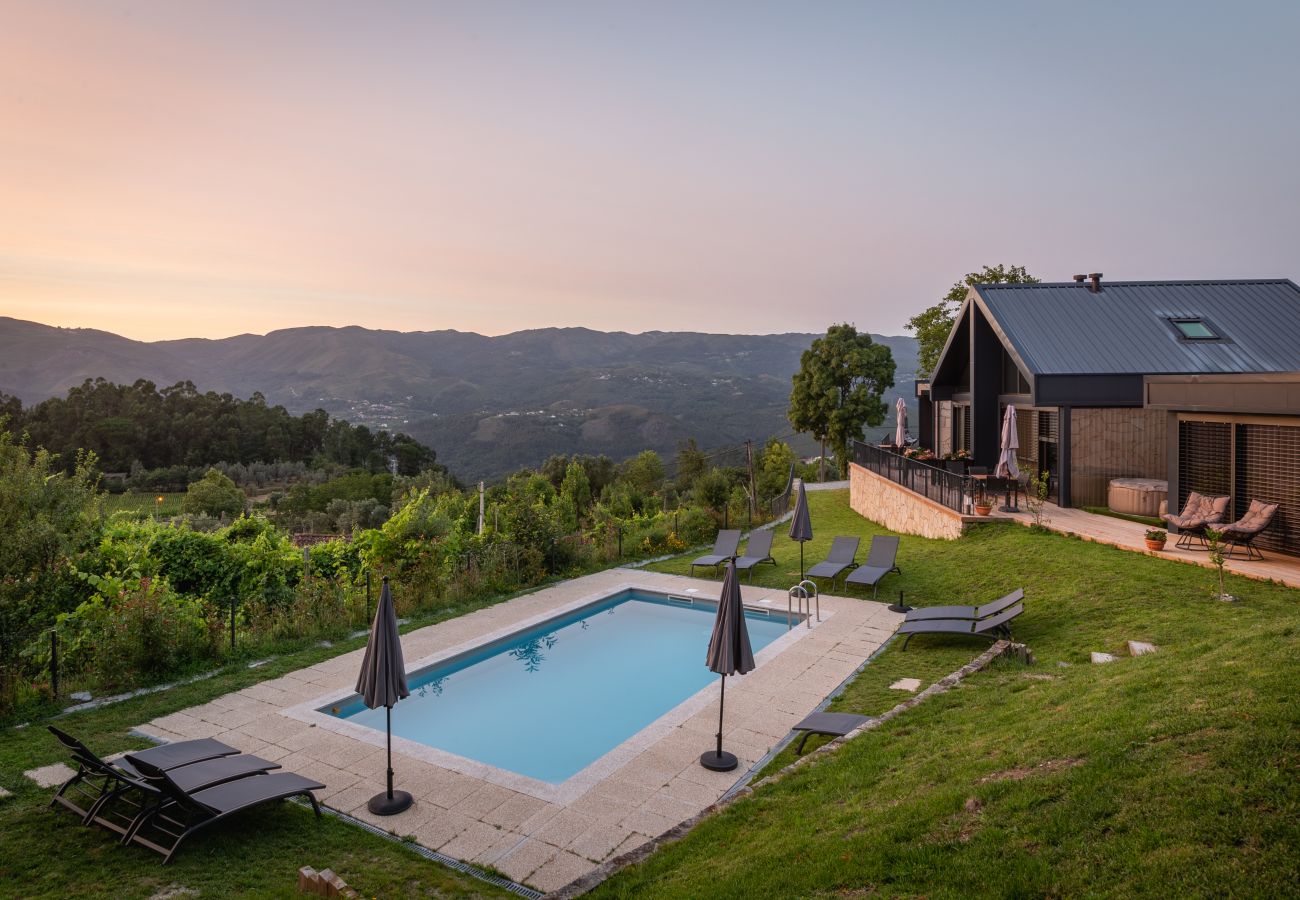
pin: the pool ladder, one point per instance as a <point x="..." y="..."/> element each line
<point x="800" y="591"/>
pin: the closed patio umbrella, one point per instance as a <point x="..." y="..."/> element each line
<point x="900" y="423"/>
<point x="729" y="654"/>
<point x="801" y="524"/>
<point x="1006" y="467"/>
<point x="382" y="682"/>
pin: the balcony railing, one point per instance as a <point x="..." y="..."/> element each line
<point x="943" y="487"/>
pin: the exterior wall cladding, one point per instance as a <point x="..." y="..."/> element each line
<point x="1114" y="442"/>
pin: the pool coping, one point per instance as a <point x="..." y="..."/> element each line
<point x="593" y="773"/>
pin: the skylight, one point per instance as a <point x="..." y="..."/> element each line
<point x="1194" y="329"/>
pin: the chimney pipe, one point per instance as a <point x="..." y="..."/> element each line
<point x="1095" y="278"/>
<point x="1080" y="278"/>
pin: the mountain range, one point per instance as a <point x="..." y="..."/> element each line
<point x="487" y="405"/>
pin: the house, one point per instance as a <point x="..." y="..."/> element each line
<point x="1193" y="382"/>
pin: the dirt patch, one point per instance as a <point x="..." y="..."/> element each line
<point x="1020" y="773"/>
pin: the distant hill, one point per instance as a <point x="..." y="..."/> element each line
<point x="487" y="405"/>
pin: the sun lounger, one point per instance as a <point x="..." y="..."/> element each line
<point x="724" y="548"/>
<point x="966" y="612"/>
<point x="180" y="814"/>
<point x="758" y="550"/>
<point x="880" y="562"/>
<point x="834" y="724"/>
<point x="840" y="559"/>
<point x="1241" y="534"/>
<point x="992" y="628"/>
<point x="95" y="778"/>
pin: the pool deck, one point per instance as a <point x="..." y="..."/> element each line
<point x="535" y="835"/>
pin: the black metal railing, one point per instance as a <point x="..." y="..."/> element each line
<point x="943" y="487"/>
<point x="780" y="504"/>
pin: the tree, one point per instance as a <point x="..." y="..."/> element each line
<point x="932" y="325"/>
<point x="774" y="468"/>
<point x="838" y="389"/>
<point x="645" y="472"/>
<point x="691" y="464"/>
<point x="213" y="495"/>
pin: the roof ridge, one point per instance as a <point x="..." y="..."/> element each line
<point x="1005" y="285"/>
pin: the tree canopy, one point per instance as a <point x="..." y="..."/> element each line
<point x="932" y="325"/>
<point x="178" y="426"/>
<point x="838" y="388"/>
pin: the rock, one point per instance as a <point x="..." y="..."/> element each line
<point x="50" y="776"/>
<point x="973" y="804"/>
<point x="1102" y="657"/>
<point x="1140" y="648"/>
<point x="80" y="696"/>
<point x="4" y="795"/>
<point x="1063" y="665"/>
<point x="906" y="684"/>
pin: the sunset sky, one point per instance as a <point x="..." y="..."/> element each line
<point x="174" y="169"/>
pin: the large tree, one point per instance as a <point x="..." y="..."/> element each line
<point x="838" y="389"/>
<point x="931" y="326"/>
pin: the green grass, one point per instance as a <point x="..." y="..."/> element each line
<point x="143" y="504"/>
<point x="1175" y="774"/>
<point x="1149" y="521"/>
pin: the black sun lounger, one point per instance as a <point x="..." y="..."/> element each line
<point x="843" y="549"/>
<point x="124" y="808"/>
<point x="880" y="562"/>
<point x="180" y="814"/>
<point x="758" y="550"/>
<point x="831" y="723"/>
<point x="992" y="628"/>
<point x="95" y="778"/>
<point x="966" y="612"/>
<point x="724" y="548"/>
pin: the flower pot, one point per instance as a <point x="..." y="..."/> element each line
<point x="983" y="509"/>
<point x="1155" y="545"/>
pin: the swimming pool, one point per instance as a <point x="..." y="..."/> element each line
<point x="548" y="701"/>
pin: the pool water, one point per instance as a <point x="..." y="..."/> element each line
<point x="549" y="701"/>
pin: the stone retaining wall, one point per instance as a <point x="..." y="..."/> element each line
<point x="882" y="501"/>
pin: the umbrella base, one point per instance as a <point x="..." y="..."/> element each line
<point x="719" y="762"/>
<point x="384" y="805"/>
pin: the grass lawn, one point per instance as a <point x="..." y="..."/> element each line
<point x="1174" y="774"/>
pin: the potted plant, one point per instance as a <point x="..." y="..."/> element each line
<point x="1156" y="538"/>
<point x="956" y="461"/>
<point x="983" y="505"/>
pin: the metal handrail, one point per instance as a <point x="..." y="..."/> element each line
<point x="943" y="487"/>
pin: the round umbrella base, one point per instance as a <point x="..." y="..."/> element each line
<point x="383" y="805"/>
<point x="719" y="762"/>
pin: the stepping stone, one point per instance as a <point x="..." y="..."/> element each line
<point x="80" y="696"/>
<point x="1102" y="658"/>
<point x="1140" y="648"/>
<point x="4" y="795"/>
<point x="50" y="776"/>
<point x="906" y="684"/>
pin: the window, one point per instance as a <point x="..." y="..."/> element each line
<point x="1194" y="330"/>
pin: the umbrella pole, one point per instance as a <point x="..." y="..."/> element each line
<point x="801" y="561"/>
<point x="720" y="760"/>
<point x="390" y="802"/>
<point x="388" y="717"/>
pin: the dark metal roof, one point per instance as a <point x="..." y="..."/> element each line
<point x="1064" y="329"/>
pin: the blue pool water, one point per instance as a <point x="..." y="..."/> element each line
<point x="549" y="701"/>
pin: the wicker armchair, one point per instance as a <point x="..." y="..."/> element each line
<point x="1200" y="512"/>
<point x="1242" y="533"/>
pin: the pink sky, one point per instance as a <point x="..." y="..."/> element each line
<point x="172" y="169"/>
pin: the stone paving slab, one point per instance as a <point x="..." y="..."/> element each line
<point x="539" y="834"/>
<point x="50" y="776"/>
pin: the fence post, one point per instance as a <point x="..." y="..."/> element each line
<point x="232" y="624"/>
<point x="620" y="541"/>
<point x="367" y="595"/>
<point x="54" y="663"/>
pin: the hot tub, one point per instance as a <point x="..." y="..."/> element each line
<point x="1137" y="496"/>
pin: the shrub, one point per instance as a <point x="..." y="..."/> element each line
<point x="214" y="495"/>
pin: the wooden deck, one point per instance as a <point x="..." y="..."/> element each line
<point x="1130" y="536"/>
